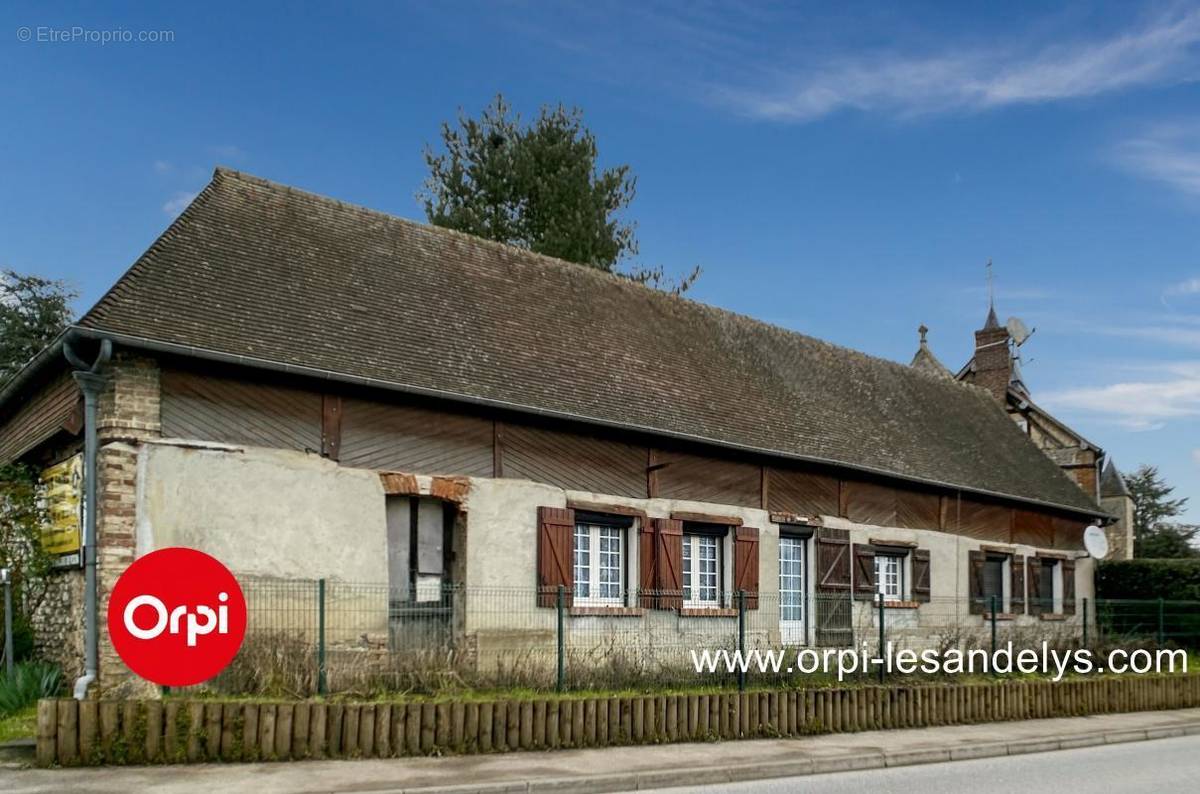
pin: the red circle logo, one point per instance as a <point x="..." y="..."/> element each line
<point x="177" y="617"/>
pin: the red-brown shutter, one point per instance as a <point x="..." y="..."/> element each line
<point x="1017" y="599"/>
<point x="1068" y="577"/>
<point x="668" y="562"/>
<point x="864" y="572"/>
<point x="745" y="564"/>
<point x="975" y="561"/>
<point x="555" y="554"/>
<point x="1033" y="573"/>
<point x="647" y="570"/>
<point x="833" y="560"/>
<point x="921" y="576"/>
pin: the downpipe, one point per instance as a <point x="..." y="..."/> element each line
<point x="91" y="382"/>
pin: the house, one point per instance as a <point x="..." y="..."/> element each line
<point x="309" y="389"/>
<point x="995" y="366"/>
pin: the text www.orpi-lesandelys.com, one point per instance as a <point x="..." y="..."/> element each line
<point x="1004" y="660"/>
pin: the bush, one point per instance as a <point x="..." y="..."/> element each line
<point x="1173" y="580"/>
<point x="29" y="682"/>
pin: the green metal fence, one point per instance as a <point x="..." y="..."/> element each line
<point x="327" y="636"/>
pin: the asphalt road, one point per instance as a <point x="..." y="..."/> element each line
<point x="1161" y="766"/>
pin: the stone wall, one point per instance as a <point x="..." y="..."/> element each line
<point x="58" y="622"/>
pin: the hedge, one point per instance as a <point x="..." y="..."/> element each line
<point x="1172" y="580"/>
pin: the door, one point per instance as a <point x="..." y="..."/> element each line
<point x="792" y="590"/>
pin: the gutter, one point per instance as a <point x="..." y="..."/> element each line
<point x="190" y="351"/>
<point x="91" y="382"/>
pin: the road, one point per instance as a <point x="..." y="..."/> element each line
<point x="1160" y="766"/>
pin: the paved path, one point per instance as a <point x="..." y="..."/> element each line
<point x="624" y="768"/>
<point x="1166" y="765"/>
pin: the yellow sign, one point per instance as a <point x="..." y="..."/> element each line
<point x="62" y="488"/>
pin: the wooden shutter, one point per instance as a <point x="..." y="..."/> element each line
<point x="975" y="563"/>
<point x="1033" y="573"/>
<point x="668" y="562"/>
<point x="864" y="572"/>
<point x="555" y="554"/>
<point x="1017" y="601"/>
<point x="745" y="564"/>
<point x="921" y="575"/>
<point x="833" y="561"/>
<point x="1068" y="578"/>
<point x="647" y="570"/>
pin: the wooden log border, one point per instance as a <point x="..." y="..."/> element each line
<point x="70" y="733"/>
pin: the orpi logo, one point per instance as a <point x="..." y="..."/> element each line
<point x="177" y="617"/>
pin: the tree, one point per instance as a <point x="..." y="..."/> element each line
<point x="1153" y="535"/>
<point x="33" y="311"/>
<point x="538" y="187"/>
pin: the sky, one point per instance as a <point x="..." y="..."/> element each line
<point x="846" y="173"/>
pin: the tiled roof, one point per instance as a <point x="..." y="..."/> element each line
<point x="257" y="269"/>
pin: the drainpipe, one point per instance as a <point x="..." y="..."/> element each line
<point x="90" y="383"/>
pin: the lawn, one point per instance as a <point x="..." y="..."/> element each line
<point x="21" y="725"/>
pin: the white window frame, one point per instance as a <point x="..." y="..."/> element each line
<point x="595" y="533"/>
<point x="693" y="544"/>
<point x="900" y="563"/>
<point x="794" y="631"/>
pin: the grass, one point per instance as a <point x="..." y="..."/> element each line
<point x="20" y="725"/>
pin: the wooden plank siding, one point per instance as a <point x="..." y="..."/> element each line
<point x="703" y="479"/>
<point x="390" y="437"/>
<point x="574" y="461"/>
<point x="54" y="408"/>
<point x="400" y="436"/>
<point x="233" y="411"/>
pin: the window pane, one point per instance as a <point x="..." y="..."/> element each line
<point x="583" y="567"/>
<point x="993" y="579"/>
<point x="791" y="579"/>
<point x="610" y="562"/>
<point x="707" y="568"/>
<point x="888" y="576"/>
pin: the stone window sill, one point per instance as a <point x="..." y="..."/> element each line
<point x="711" y="612"/>
<point x="901" y="604"/>
<point x="606" y="612"/>
<point x="1052" y="616"/>
<point x="987" y="616"/>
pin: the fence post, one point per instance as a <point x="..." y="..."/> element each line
<point x="882" y="615"/>
<point x="322" y="684"/>
<point x="995" y="608"/>
<point x="560" y="602"/>
<point x="741" y="598"/>
<point x="1085" y="631"/>
<point x="1162" y="635"/>
<point x="9" y="660"/>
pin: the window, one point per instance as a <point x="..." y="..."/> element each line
<point x="701" y="570"/>
<point x="994" y="566"/>
<point x="792" y="595"/>
<point x="889" y="576"/>
<point x="1050" y="588"/>
<point x="599" y="561"/>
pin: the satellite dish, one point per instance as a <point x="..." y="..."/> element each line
<point x="1096" y="542"/>
<point x="1018" y="330"/>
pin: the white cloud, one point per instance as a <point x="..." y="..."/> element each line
<point x="1196" y="455"/>
<point x="1137" y="405"/>
<point x="1188" y="287"/>
<point x="228" y="152"/>
<point x="1166" y="153"/>
<point x="973" y="78"/>
<point x="177" y="203"/>
<point x="1171" y="335"/>
<point x="163" y="167"/>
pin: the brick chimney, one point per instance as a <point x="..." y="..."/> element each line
<point x="992" y="366"/>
